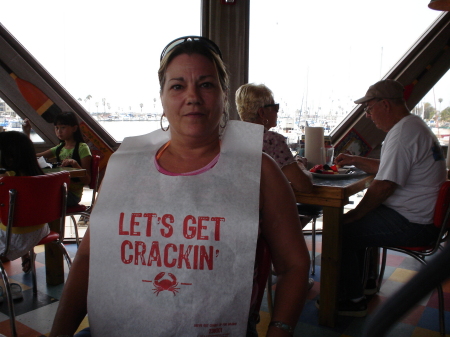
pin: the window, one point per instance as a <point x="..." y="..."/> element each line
<point x="105" y="54"/>
<point x="319" y="57"/>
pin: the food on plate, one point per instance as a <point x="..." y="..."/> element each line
<point x="325" y="169"/>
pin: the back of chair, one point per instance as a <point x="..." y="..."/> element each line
<point x="95" y="164"/>
<point x="441" y="210"/>
<point x="38" y="199"/>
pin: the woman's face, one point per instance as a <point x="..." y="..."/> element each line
<point x="65" y="132"/>
<point x="271" y="114"/>
<point x="192" y="98"/>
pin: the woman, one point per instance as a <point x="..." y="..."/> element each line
<point x="255" y="104"/>
<point x="164" y="266"/>
<point x="18" y="158"/>
<point x="72" y="151"/>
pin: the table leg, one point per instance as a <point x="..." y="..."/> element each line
<point x="330" y="264"/>
<point x="54" y="264"/>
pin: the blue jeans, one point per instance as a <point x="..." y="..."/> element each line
<point x="84" y="333"/>
<point x="381" y="227"/>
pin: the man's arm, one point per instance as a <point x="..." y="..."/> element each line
<point x="368" y="165"/>
<point x="378" y="191"/>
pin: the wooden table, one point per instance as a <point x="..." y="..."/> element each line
<point x="74" y="172"/>
<point x="54" y="259"/>
<point x="332" y="194"/>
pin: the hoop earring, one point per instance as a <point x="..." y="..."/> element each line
<point x="224" y="120"/>
<point x="161" y="123"/>
<point x="266" y="122"/>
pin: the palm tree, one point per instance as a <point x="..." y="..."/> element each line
<point x="141" y="105"/>
<point x="96" y="103"/>
<point x="104" y="104"/>
<point x="88" y="98"/>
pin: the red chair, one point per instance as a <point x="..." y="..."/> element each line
<point x="442" y="221"/>
<point x="84" y="210"/>
<point x="30" y="201"/>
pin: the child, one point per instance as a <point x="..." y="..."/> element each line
<point x="19" y="159"/>
<point x="72" y="151"/>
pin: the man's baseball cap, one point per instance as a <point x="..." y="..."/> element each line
<point x="383" y="89"/>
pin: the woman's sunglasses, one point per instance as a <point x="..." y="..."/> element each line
<point x="203" y="40"/>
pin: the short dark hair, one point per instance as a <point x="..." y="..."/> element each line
<point x="18" y="154"/>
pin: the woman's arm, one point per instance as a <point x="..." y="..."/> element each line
<point x="299" y="177"/>
<point x="85" y="164"/>
<point x="73" y="303"/>
<point x="46" y="154"/>
<point x="282" y="231"/>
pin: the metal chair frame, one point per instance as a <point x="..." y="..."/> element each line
<point x="30" y="201"/>
<point x="442" y="221"/>
<point x="314" y="215"/>
<point x="82" y="209"/>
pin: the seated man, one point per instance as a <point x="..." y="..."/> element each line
<point x="398" y="207"/>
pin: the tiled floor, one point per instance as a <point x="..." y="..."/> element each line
<point x="422" y="321"/>
<point x="35" y="315"/>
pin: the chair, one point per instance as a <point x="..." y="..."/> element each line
<point x="314" y="212"/>
<point x="30" y="201"/>
<point x="84" y="210"/>
<point x="442" y="221"/>
<point x="430" y="276"/>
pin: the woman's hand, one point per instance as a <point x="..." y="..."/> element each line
<point x="70" y="162"/>
<point x="302" y="160"/>
<point x="26" y="127"/>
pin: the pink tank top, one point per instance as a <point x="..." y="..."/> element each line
<point x="192" y="173"/>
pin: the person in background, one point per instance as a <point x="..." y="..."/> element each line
<point x="255" y="104"/>
<point x="192" y="167"/>
<point x="72" y="152"/>
<point x="18" y="158"/>
<point x="398" y="207"/>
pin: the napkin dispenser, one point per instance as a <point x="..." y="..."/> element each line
<point x="314" y="142"/>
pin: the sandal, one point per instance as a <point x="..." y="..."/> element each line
<point x="26" y="264"/>
<point x="16" y="291"/>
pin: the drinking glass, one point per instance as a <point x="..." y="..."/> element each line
<point x="328" y="153"/>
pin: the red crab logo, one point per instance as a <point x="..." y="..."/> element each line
<point x="166" y="284"/>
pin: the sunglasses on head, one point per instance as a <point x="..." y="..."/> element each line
<point x="202" y="40"/>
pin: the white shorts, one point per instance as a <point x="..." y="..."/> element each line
<point x="22" y="243"/>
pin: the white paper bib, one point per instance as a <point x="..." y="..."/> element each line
<point x="174" y="256"/>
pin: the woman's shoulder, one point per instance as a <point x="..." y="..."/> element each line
<point x="274" y="135"/>
<point x="84" y="150"/>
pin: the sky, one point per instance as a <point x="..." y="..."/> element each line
<point x="102" y="48"/>
<point x="329" y="52"/>
<point x="320" y="54"/>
